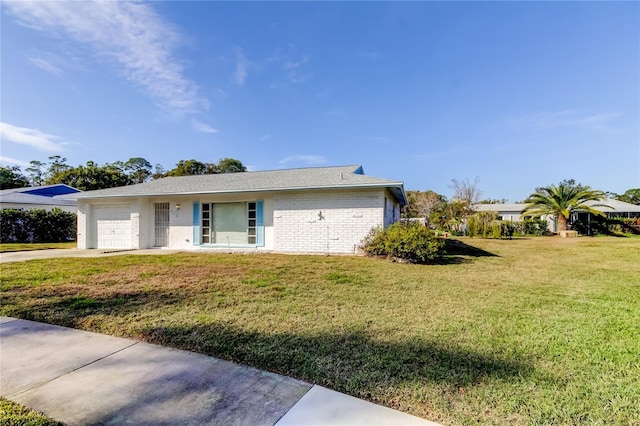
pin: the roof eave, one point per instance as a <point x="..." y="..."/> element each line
<point x="399" y="185"/>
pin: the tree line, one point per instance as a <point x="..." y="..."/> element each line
<point x="93" y="176"/>
<point x="555" y="200"/>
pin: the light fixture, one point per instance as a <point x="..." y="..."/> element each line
<point x="177" y="206"/>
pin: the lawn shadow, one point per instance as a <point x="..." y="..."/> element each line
<point x="458" y="248"/>
<point x="70" y="310"/>
<point x="354" y="362"/>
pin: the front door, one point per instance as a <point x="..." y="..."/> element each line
<point x="162" y="224"/>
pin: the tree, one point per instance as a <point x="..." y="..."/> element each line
<point x="138" y="169"/>
<point x="12" y="177"/>
<point x="466" y="191"/>
<point x="466" y="194"/>
<point x="561" y="200"/>
<point x="194" y="167"/>
<point x="230" y="165"/>
<point x="423" y="204"/>
<point x="160" y="172"/>
<point x="91" y="177"/>
<point x="630" y="196"/>
<point x="493" y="201"/>
<point x="36" y="172"/>
<point x="57" y="164"/>
<point x="188" y="168"/>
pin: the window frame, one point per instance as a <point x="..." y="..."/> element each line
<point x="254" y="227"/>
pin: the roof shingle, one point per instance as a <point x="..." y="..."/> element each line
<point x="273" y="180"/>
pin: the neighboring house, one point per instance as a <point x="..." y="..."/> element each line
<point x="512" y="212"/>
<point x="40" y="197"/>
<point x="327" y="210"/>
<point x="617" y="208"/>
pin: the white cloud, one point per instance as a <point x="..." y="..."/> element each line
<point x="129" y="34"/>
<point x="9" y="160"/>
<point x="45" y="65"/>
<point x="295" y="70"/>
<point x="296" y="78"/>
<point x="305" y="159"/>
<point x="201" y="127"/>
<point x="291" y="64"/>
<point x="294" y="65"/>
<point x="241" y="73"/>
<point x="30" y="137"/>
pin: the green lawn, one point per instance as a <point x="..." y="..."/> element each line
<point x="12" y="414"/>
<point x="528" y="331"/>
<point x="7" y="247"/>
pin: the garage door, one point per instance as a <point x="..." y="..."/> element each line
<point x="113" y="227"/>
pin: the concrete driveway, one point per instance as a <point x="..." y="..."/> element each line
<point x="21" y="256"/>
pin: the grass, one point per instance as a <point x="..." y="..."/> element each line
<point x="9" y="247"/>
<point x="528" y="331"/>
<point x="12" y="414"/>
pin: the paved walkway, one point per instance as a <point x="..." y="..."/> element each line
<point x="21" y="256"/>
<point x="83" y="378"/>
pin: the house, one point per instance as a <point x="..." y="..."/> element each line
<point x="325" y="210"/>
<point x="512" y="212"/>
<point x="40" y="197"/>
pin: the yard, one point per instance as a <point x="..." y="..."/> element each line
<point x="540" y="330"/>
<point x="10" y="247"/>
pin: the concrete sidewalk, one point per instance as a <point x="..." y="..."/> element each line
<point x="22" y="256"/>
<point x="82" y="378"/>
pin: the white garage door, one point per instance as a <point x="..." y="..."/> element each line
<point x="113" y="227"/>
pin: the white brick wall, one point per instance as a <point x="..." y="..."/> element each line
<point x="346" y="218"/>
<point x="135" y="224"/>
<point x="291" y="219"/>
<point x="84" y="213"/>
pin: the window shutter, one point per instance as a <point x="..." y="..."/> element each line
<point x="196" y="223"/>
<point x="260" y="223"/>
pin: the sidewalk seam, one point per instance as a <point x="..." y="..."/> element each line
<point x="37" y="385"/>
<point x="295" y="403"/>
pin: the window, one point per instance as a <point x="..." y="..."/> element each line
<point x="251" y="228"/>
<point x="229" y="223"/>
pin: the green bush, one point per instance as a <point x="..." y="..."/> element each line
<point x="473" y="226"/>
<point x="37" y="226"/>
<point x="410" y="242"/>
<point x="487" y="225"/>
<point x="537" y="227"/>
<point x="496" y="229"/>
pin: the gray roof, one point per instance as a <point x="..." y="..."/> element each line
<point x="33" y="195"/>
<point x="517" y="208"/>
<point x="38" y="189"/>
<point x="21" y="198"/>
<point x="614" y="206"/>
<point x="343" y="177"/>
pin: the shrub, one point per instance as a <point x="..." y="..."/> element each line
<point x="496" y="229"/>
<point x="409" y="242"/>
<point x="537" y="227"/>
<point x="37" y="226"/>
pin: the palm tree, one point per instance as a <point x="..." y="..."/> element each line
<point x="562" y="200"/>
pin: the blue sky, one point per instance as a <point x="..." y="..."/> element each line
<point x="517" y="94"/>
